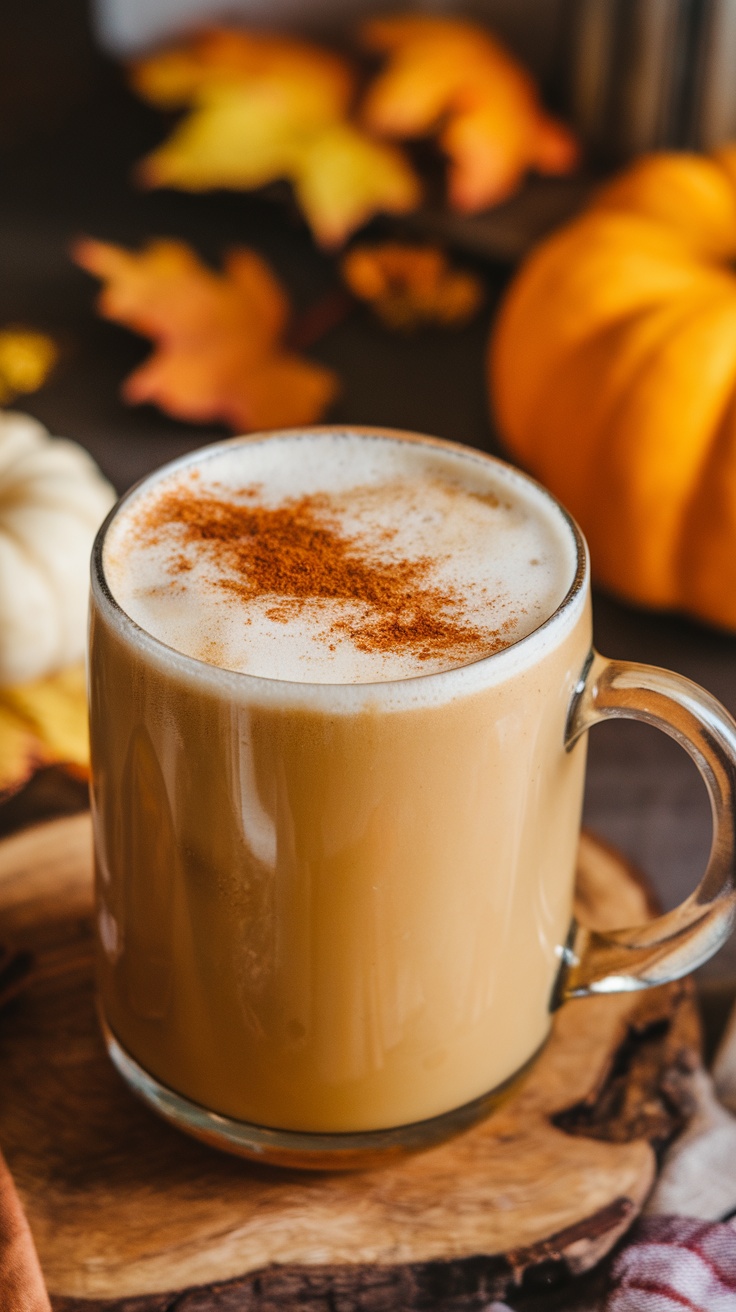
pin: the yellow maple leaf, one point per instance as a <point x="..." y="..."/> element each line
<point x="344" y="177"/>
<point x="219" y="337"/>
<point x="43" y="723"/>
<point x="323" y="82"/>
<point x="239" y="137"/>
<point x="409" y="285"/>
<point x="449" y="77"/>
<point x="26" y="360"/>
<point x="264" y="108"/>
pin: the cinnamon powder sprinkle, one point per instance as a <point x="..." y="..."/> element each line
<point x="297" y="552"/>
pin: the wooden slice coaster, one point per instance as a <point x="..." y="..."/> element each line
<point x="127" y="1214"/>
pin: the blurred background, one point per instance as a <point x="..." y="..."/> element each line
<point x="630" y="75"/>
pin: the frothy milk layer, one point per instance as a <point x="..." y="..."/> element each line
<point x="338" y="558"/>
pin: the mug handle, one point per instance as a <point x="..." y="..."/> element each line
<point x="674" y="944"/>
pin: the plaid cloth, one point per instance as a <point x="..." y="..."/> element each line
<point x="674" y="1263"/>
<point x="669" y="1264"/>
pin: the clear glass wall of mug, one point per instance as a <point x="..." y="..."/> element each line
<point x="334" y="892"/>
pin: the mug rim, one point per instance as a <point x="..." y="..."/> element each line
<point x="199" y="669"/>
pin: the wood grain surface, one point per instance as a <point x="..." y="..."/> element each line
<point x="127" y="1214"/>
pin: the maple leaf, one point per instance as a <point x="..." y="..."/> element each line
<point x="411" y="285"/>
<point x="219" y="352"/>
<point x="322" y="82"/>
<point x="452" y="78"/>
<point x="265" y="108"/>
<point x="344" y="178"/>
<point x="26" y="360"/>
<point x="43" y="723"/>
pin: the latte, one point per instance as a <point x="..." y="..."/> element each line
<point x="335" y="823"/>
<point x="339" y="558"/>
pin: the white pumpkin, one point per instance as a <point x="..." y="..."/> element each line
<point x="52" y="501"/>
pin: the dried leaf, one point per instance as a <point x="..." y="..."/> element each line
<point x="411" y="285"/>
<point x="26" y="360"/>
<point x="344" y="178"/>
<point x="43" y="723"/>
<point x="452" y="78"/>
<point x="321" y="82"/>
<point x="219" y="352"/>
<point x="263" y="109"/>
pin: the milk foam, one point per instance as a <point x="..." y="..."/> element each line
<point x="493" y="544"/>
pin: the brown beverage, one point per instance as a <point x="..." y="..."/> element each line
<point x="335" y="823"/>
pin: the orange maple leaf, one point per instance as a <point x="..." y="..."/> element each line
<point x="219" y="337"/>
<point x="43" y="723"/>
<point x="265" y="108"/>
<point x="411" y="285"/>
<point x="452" y="78"/>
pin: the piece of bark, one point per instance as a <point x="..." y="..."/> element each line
<point x="129" y="1214"/>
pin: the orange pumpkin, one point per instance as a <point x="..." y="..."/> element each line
<point x="613" y="377"/>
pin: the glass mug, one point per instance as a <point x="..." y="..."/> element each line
<point x="334" y="920"/>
